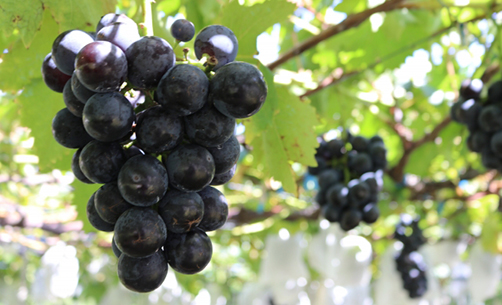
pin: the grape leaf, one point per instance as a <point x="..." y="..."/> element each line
<point x="26" y="16"/>
<point x="282" y="131"/>
<point x="72" y="14"/>
<point x="490" y="233"/>
<point x="351" y="6"/>
<point x="247" y="22"/>
<point x="81" y="194"/>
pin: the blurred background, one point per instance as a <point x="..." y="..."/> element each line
<point x="392" y="68"/>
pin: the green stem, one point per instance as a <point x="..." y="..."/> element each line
<point x="147" y="18"/>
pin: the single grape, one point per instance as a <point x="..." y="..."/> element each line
<point x="80" y="91"/>
<point x="350" y="219"/>
<point x="220" y="179"/>
<point x="331" y="212"/>
<point x="360" y="163"/>
<point x="109" y="203"/>
<point x="489" y="118"/>
<point x="378" y="154"/>
<point x="112" y="18"/>
<point x="479" y="140"/>
<point x="140" y="232"/>
<point x="53" y="77"/>
<point x="329" y="177"/>
<point x="182" y="30"/>
<point x="226" y="155"/>
<point x="115" y="249"/>
<point x="471" y="89"/>
<point x="68" y="130"/>
<point x="71" y="101"/>
<point x="158" y="130"/>
<point x="215" y="209"/>
<point x="75" y="168"/>
<point x="360" y="144"/>
<point x="143" y="274"/>
<point x="490" y="160"/>
<point x="321" y="197"/>
<point x="238" y="90"/>
<point x="216" y="41"/>
<point x="469" y="112"/>
<point x="123" y="35"/>
<point x="190" y="168"/>
<point x="94" y="219"/>
<point x="188" y="253"/>
<point x="359" y="192"/>
<point x="101" y="161"/>
<point x="149" y="58"/>
<point x="181" y="211"/>
<point x="101" y="66"/>
<point x="108" y="116"/>
<point x="495" y="92"/>
<point x="334" y="149"/>
<point x="370" y="213"/>
<point x="142" y="180"/>
<point x="337" y="195"/>
<point x="208" y="127"/>
<point x="65" y="49"/>
<point x="183" y="90"/>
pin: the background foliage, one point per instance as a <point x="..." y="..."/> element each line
<point x="372" y="67"/>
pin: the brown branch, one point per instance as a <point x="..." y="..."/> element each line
<point x="242" y="216"/>
<point x="350" y="22"/>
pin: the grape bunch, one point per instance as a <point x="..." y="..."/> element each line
<point x="410" y="264"/>
<point x="350" y="175"/>
<point x="482" y="118"/>
<point x="157" y="133"/>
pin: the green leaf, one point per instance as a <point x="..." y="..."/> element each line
<point x="490" y="233"/>
<point x="351" y="6"/>
<point x="249" y="22"/>
<point x="81" y="194"/>
<point x="39" y="105"/>
<point x="282" y="131"/>
<point x="78" y="14"/>
<point x="26" y="16"/>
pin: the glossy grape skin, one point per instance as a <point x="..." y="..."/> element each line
<point x="111" y="18"/>
<point x="80" y="91"/>
<point x="220" y="179"/>
<point x="75" y="168"/>
<point x="149" y="58"/>
<point x="115" y="250"/>
<point x="109" y="203"/>
<point x="143" y="180"/>
<point x="190" y="168"/>
<point x="181" y="211"/>
<point x="182" y="30"/>
<point x="65" y="49"/>
<point x="218" y="41"/>
<point x="53" y="77"/>
<point x="158" y="130"/>
<point x="183" y="90"/>
<point x="208" y="127"/>
<point x="349" y="219"/>
<point x="142" y="274"/>
<point x="123" y="35"/>
<point x="108" y="116"/>
<point x="188" y="253"/>
<point x="94" y="219"/>
<point x="140" y="232"/>
<point x="238" y="90"/>
<point x="215" y="209"/>
<point x="101" y="66"/>
<point x="226" y="155"/>
<point x="331" y="212"/>
<point x="371" y="213"/>
<point x="68" y="130"/>
<point x="72" y="103"/>
<point x="101" y="161"/>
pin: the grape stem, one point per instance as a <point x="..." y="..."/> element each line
<point x="147" y="24"/>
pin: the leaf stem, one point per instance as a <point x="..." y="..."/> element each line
<point x="147" y="17"/>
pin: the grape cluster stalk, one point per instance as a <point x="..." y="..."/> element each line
<point x="157" y="133"/>
<point x="409" y="262"/>
<point x="350" y="175"/>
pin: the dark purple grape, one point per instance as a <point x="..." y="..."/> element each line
<point x="190" y="168"/>
<point x="149" y="58"/>
<point x="115" y="250"/>
<point x="183" y="90"/>
<point x="337" y="195"/>
<point x="215" y="209"/>
<point x="68" y="130"/>
<point x="471" y="89"/>
<point x="320" y="197"/>
<point x="373" y="180"/>
<point x="188" y="253"/>
<point x="123" y="35"/>
<point x="80" y="91"/>
<point x="469" y="112"/>
<point x="220" y="179"/>
<point x="329" y="177"/>
<point x="359" y="192"/>
<point x="140" y="232"/>
<point x="181" y="211"/>
<point x="111" y="18"/>
<point x="75" y="168"/>
<point x="142" y="180"/>
<point x="378" y="154"/>
<point x="331" y="212"/>
<point x="108" y="116"/>
<point x="490" y="160"/>
<point x="489" y="118"/>
<point x="370" y="213"/>
<point x="334" y="149"/>
<point x="360" y="144"/>
<point x="72" y="102"/>
<point x="495" y="92"/>
<point x="321" y="166"/>
<point x="216" y="41"/>
<point x="133" y="151"/>
<point x="158" y="130"/>
<point x="376" y="139"/>
<point x="360" y="163"/>
<point x="101" y="66"/>
<point x="109" y="203"/>
<point x="226" y="155"/>
<point x="496" y="144"/>
<point x="65" y="49"/>
<point x="238" y="90"/>
<point x="349" y="219"/>
<point x="182" y="30"/>
<point x="53" y="77"/>
<point x="478" y="140"/>
<point x="94" y="219"/>
<point x="142" y="274"/>
<point x="208" y="127"/>
<point x="102" y="161"/>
